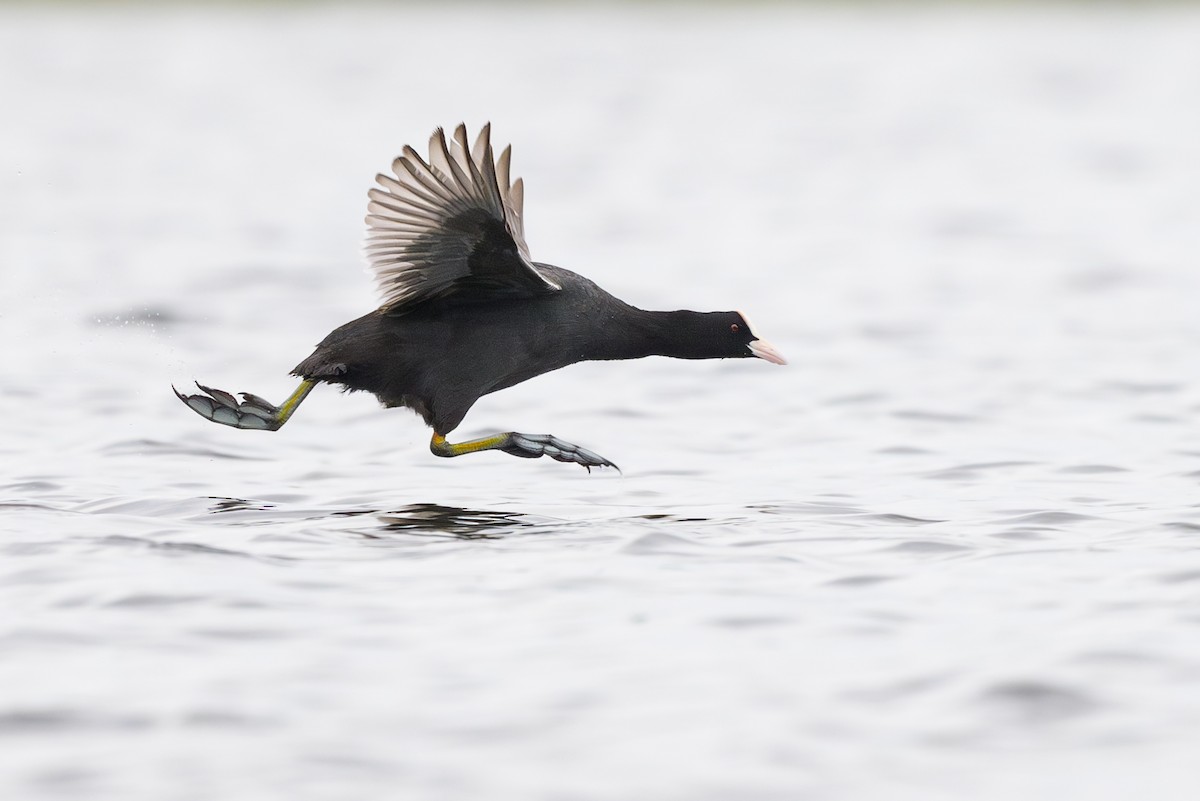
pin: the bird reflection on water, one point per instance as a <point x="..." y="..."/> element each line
<point x="435" y="520"/>
<point x="417" y="519"/>
<point x="227" y="505"/>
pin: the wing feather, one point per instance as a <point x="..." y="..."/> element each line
<point x="450" y="226"/>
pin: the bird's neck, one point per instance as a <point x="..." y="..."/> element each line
<point x="678" y="334"/>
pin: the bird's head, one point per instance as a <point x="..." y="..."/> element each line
<point x="741" y="341"/>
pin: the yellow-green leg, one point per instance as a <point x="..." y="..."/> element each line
<point x="527" y="446"/>
<point x="251" y="413"/>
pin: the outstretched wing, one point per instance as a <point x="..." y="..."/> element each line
<point x="450" y="226"/>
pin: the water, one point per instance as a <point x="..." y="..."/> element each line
<point x="953" y="550"/>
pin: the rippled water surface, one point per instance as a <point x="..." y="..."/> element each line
<point x="952" y="551"/>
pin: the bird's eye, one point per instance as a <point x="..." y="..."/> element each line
<point x="734" y="328"/>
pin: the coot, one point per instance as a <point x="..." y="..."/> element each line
<point x="466" y="311"/>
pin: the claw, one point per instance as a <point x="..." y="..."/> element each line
<point x="223" y="397"/>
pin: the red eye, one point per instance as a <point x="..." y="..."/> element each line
<point x="734" y="328"/>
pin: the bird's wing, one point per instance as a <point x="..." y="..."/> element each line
<point x="450" y="226"/>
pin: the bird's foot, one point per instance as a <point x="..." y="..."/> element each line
<point x="251" y="413"/>
<point x="527" y="446"/>
<point x="531" y="446"/>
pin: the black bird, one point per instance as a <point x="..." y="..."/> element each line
<point x="467" y="312"/>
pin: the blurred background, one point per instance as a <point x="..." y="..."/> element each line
<point x="949" y="551"/>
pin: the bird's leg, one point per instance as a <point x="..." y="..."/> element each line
<point x="253" y="412"/>
<point x="527" y="446"/>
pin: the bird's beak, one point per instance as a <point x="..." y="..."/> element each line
<point x="765" y="350"/>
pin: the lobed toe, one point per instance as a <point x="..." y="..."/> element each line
<point x="201" y="405"/>
<point x="560" y="450"/>
<point x="226" y="416"/>
<point x="256" y="422"/>
<point x="222" y="407"/>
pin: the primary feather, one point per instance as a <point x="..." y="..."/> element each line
<point x="450" y="226"/>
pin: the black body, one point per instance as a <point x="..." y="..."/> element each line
<point x="440" y="356"/>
